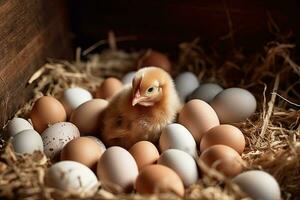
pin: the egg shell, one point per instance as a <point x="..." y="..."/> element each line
<point x="83" y="150"/>
<point x="127" y="78"/>
<point x="98" y="141"/>
<point x="109" y="88"/>
<point x="198" y="117"/>
<point x="222" y="158"/>
<point x="46" y="111"/>
<point x="224" y="134"/>
<point x="182" y="163"/>
<point x="74" y="97"/>
<point x="144" y="153"/>
<point x="16" y="125"/>
<point x="176" y="136"/>
<point x="155" y="58"/>
<point x="159" y="178"/>
<point x="86" y="116"/>
<point x="57" y="136"/>
<point x="234" y="105"/>
<point x="27" y="141"/>
<point x="117" y="167"/>
<point x="186" y="83"/>
<point x="206" y="92"/>
<point x="258" y="185"/>
<point x="71" y="176"/>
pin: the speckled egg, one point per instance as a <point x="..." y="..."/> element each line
<point x="57" y="136"/>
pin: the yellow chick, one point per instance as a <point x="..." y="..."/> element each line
<point x="141" y="111"/>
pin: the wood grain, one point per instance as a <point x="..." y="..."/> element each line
<point x="30" y="32"/>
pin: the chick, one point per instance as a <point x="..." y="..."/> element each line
<point x="141" y="111"/>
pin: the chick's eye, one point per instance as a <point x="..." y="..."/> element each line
<point x="151" y="89"/>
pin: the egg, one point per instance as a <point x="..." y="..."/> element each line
<point x="176" y="136"/>
<point x="198" y="117"/>
<point x="224" y="134"/>
<point x="234" y="105"/>
<point x="144" y="153"/>
<point x="127" y="78"/>
<point x="74" y="97"/>
<point x="222" y="158"/>
<point x="27" y="141"/>
<point x="57" y="136"/>
<point x="117" y="169"/>
<point x="98" y="141"/>
<point x="83" y="150"/>
<point x="158" y="178"/>
<point x="186" y="83"/>
<point x="182" y="163"/>
<point x="155" y="58"/>
<point x="16" y="125"/>
<point x="71" y="176"/>
<point x="86" y="116"/>
<point x="109" y="88"/>
<point x="46" y="111"/>
<point x="206" y="92"/>
<point x="258" y="185"/>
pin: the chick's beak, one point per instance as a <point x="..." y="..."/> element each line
<point x="137" y="98"/>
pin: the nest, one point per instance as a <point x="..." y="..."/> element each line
<point x="272" y="133"/>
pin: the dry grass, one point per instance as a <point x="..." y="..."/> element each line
<point x="272" y="133"/>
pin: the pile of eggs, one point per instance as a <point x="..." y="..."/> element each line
<point x="65" y="131"/>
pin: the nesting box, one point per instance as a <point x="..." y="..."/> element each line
<point x="33" y="33"/>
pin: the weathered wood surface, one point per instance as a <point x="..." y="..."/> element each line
<point x="30" y="32"/>
<point x="163" y="24"/>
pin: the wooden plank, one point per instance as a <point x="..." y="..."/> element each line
<point x="30" y="32"/>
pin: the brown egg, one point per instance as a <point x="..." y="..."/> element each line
<point x="83" y="150"/>
<point x="155" y="58"/>
<point x="144" y="153"/>
<point x="46" y="111"/>
<point x="158" y="178"/>
<point x="109" y="88"/>
<point x="198" y="117"/>
<point x="86" y="116"/>
<point x="224" y="134"/>
<point x="223" y="158"/>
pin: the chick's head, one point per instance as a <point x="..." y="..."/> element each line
<point x="148" y="86"/>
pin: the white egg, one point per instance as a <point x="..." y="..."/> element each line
<point x="176" y="136"/>
<point x="16" y="125"/>
<point x="127" y="78"/>
<point x="57" y="136"/>
<point x="117" y="169"/>
<point x="74" y="97"/>
<point x="234" y="105"/>
<point x="27" y="141"/>
<point x="258" y="185"/>
<point x="186" y="83"/>
<point x="71" y="176"/>
<point x="182" y="163"/>
<point x="206" y="92"/>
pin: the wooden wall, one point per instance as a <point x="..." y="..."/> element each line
<point x="30" y="32"/>
<point x="163" y="24"/>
